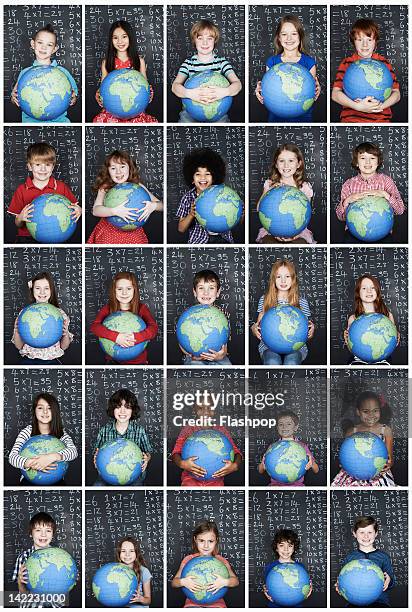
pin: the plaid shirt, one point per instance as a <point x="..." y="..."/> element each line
<point x="134" y="432"/>
<point x="21" y="560"/>
<point x="379" y="182"/>
<point x="197" y="234"/>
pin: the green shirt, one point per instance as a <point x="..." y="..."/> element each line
<point x="134" y="432"/>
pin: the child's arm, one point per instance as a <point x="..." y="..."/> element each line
<point x="98" y="329"/>
<point x="212" y="355"/>
<point x="393" y="321"/>
<point x="99" y="210"/>
<point x="366" y="105"/>
<point x="67" y="337"/>
<point x="16" y="338"/>
<point x="15" y="459"/>
<point x="186" y="221"/>
<point x="70" y="452"/>
<point x="393" y="99"/>
<point x="317" y="84"/>
<point x="221" y="582"/>
<point x="388" y="573"/>
<point x="394" y="197"/>
<point x="262" y="466"/>
<point x="229" y="467"/>
<point x="151" y="326"/>
<point x="311" y="464"/>
<point x="150" y="206"/>
<point x="346" y="331"/>
<point x="198" y="94"/>
<point x="189" y="465"/>
<point x="217" y="93"/>
<point x="22" y="579"/>
<point x="256" y="326"/>
<point x="189" y="581"/>
<point x="389" y="446"/>
<point x="146" y="598"/>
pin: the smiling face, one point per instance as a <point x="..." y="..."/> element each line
<point x="286" y="427"/>
<point x="205" y="42"/>
<point x="287" y="164"/>
<point x="44" y="46"/>
<point x="119" y="171"/>
<point x="283" y="279"/>
<point x="41" y="290"/>
<point x="127" y="554"/>
<point x="206" y="292"/>
<point x="42" y="535"/>
<point x="41" y="169"/>
<point x="206" y="543"/>
<point x="369" y="412"/>
<point x="289" y="37"/>
<point x="124" y="292"/>
<point x="285" y="551"/>
<point x="365" y="45"/>
<point x="365" y="537"/>
<point x="367" y="291"/>
<point x="202" y="179"/>
<point x="120" y="40"/>
<point x="123" y="413"/>
<point x="43" y="412"/>
<point x="367" y="164"/>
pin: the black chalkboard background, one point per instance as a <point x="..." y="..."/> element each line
<point x="263" y="21"/>
<point x="145" y="145"/>
<point x="20" y="24"/>
<point x="112" y="515"/>
<point x="147" y="22"/>
<point x="231" y="23"/>
<point x="311" y="140"/>
<point x="65" y="265"/>
<point x="393" y="45"/>
<point x="390" y="267"/>
<point x="393" y="142"/>
<point x="185" y="510"/>
<point x="301" y="511"/>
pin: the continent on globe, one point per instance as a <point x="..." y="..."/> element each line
<point x="114" y="585"/>
<point x="50" y="570"/>
<point x="285" y="461"/>
<point x="372" y="337"/>
<point x="361" y="582"/>
<point x="51" y="219"/>
<point x="119" y="462"/>
<point x="205" y="569"/>
<point x="368" y="78"/>
<point x="284" y="211"/>
<point x="125" y="93"/>
<point x="43" y="445"/>
<point x="288" y="90"/>
<point x="218" y="208"/>
<point x="288" y="584"/>
<point x="284" y="329"/>
<point x="201" y="328"/>
<point x="214" y="111"/>
<point x="370" y="218"/>
<point x="363" y="455"/>
<point x="44" y="92"/>
<point x="211" y="447"/>
<point x="123" y="322"/>
<point x="130" y="195"/>
<point x="40" y="325"/>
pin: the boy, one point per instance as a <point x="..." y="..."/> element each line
<point x="364" y="36"/>
<point x="205" y="36"/>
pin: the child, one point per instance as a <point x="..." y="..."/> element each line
<point x="205" y="543"/>
<point x="43" y="291"/>
<point x="121" y="53"/>
<point x="123" y="410"/>
<point x="124" y="295"/>
<point x="119" y="168"/>
<point x="128" y="552"/>
<point x="364" y="36"/>
<point x="282" y="289"/>
<point x="205" y="36"/>
<point x="46" y="420"/>
<point x="44" y="45"/>
<point x="288" y="168"/>
<point x="287" y="425"/>
<point x="290" y="46"/>
<point x="369" y="409"/>
<point x="41" y="160"/>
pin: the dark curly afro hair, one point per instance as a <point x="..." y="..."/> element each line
<point x="204" y="158"/>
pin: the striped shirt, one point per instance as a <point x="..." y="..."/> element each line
<point x="383" y="561"/>
<point x="197" y="234"/>
<point x="377" y="182"/>
<point x="17" y="460"/>
<point x="21" y="560"/>
<point x="193" y="66"/>
<point x="303" y="305"/>
<point x="134" y="432"/>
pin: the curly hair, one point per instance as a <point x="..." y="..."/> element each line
<point x="204" y="158"/>
<point x="126" y="396"/>
<point x="286" y="535"/>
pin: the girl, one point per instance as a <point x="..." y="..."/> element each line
<point x="128" y="552"/>
<point x="290" y="46"/>
<point x="282" y="289"/>
<point x="288" y="168"/>
<point x="119" y="168"/>
<point x="45" y="420"/>
<point x="370" y="408"/>
<point x="205" y="542"/>
<point x="124" y="295"/>
<point x="43" y="291"/>
<point x="122" y="53"/>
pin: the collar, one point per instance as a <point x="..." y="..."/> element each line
<point x="361" y="178"/>
<point x="52" y="64"/>
<point x="52" y="184"/>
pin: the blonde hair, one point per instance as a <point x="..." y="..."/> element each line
<point x="202" y="25"/>
<point x="271" y="295"/>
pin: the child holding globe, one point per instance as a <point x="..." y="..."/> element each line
<point x="128" y="552"/>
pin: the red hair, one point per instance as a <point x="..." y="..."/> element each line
<point x="114" y="305"/>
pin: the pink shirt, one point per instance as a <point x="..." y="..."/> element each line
<point x="381" y="182"/>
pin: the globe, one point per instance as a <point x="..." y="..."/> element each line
<point x="363" y="455"/>
<point x="132" y="196"/>
<point x="44" y="92"/>
<point x="284" y="329"/>
<point x="214" y="111"/>
<point x="123" y="322"/>
<point x="288" y="90"/>
<point x="360" y="582"/>
<point x="218" y="208"/>
<point x="114" y="584"/>
<point x="370" y="218"/>
<point x="288" y="584"/>
<point x="125" y="93"/>
<point x="211" y="447"/>
<point x="284" y="211"/>
<point x="51" y="221"/>
<point x="40" y="325"/>
<point x="119" y="462"/>
<point x="285" y="461"/>
<point x="201" y="328"/>
<point x="204" y="570"/>
<point x="372" y="337"/>
<point x="43" y="445"/>
<point x="368" y="77"/>
<point x="51" y="570"/>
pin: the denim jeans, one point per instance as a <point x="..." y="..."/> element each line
<point x="272" y="358"/>
<point x="189" y="361"/>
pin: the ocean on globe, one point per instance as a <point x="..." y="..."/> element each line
<point x="214" y="111"/>
<point x="40" y="325"/>
<point x="114" y="585"/>
<point x="132" y="196"/>
<point x="288" y="90"/>
<point x="285" y="461"/>
<point x="123" y="322"/>
<point x="370" y="218"/>
<point x="372" y="337"/>
<point x="201" y="328"/>
<point x="51" y="570"/>
<point x="43" y="445"/>
<point x="44" y="92"/>
<point x="51" y="221"/>
<point x="360" y="582"/>
<point x="284" y="211"/>
<point x="119" y="462"/>
<point x="368" y="77"/>
<point x="284" y="329"/>
<point x="205" y="569"/>
<point x="125" y="93"/>
<point x="288" y="584"/>
<point x="363" y="455"/>
<point x="211" y="447"/>
<point x="218" y="208"/>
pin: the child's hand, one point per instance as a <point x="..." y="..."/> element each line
<point x="76" y="211"/>
<point x="193" y="210"/>
<point x="137" y="598"/>
<point x="42" y="463"/>
<point x="337" y="588"/>
<point x="66" y="327"/>
<point x="212" y="355"/>
<point x="387" y="466"/>
<point x="266" y="594"/>
<point x="218" y="583"/>
<point x="22" y="577"/>
<point x="309" y="464"/>
<point x="96" y="452"/>
<point x="126" y="213"/>
<point x="311" y="330"/>
<point x="146" y="459"/>
<point x="145" y="212"/>
<point x="14" y="97"/>
<point x="387" y="581"/>
<point x="151" y="93"/>
<point x="346" y="336"/>
<point x="99" y="98"/>
<point x="256" y="331"/>
<point x="258" y="92"/>
<point x="190" y="466"/>
<point x="317" y="88"/>
<point x="398" y="337"/>
<point x="125" y="340"/>
<point x="369" y="105"/>
<point x="26" y="213"/>
<point x="216" y="93"/>
<point x="73" y="99"/>
<point x="198" y="94"/>
<point x="190" y="583"/>
<point x="230" y="466"/>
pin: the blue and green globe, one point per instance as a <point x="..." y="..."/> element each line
<point x="131" y="196"/>
<point x="284" y="329"/>
<point x="125" y="93"/>
<point x="368" y="77"/>
<point x="114" y="585"/>
<point x="361" y="582"/>
<point x="214" y="111"/>
<point x="284" y="211"/>
<point x="372" y="337"/>
<point x="119" y="462"/>
<point x="218" y="208"/>
<point x="204" y="570"/>
<point x="288" y="584"/>
<point x="51" y="570"/>
<point x="40" y="325"/>
<point x="370" y="218"/>
<point x="44" y="92"/>
<point x="211" y="447"/>
<point x="285" y="461"/>
<point x="201" y="328"/>
<point x="288" y="90"/>
<point x="123" y="322"/>
<point x="43" y="445"/>
<point x="51" y="221"/>
<point x="363" y="455"/>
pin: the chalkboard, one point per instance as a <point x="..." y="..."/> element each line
<point x="231" y="23"/>
<point x="145" y="145"/>
<point x="185" y="510"/>
<point x="305" y="393"/>
<point x="147" y="22"/>
<point x="393" y="45"/>
<point x="263" y="21"/>
<point x="301" y="511"/>
<point x="390" y="267"/>
<point x="65" y="507"/>
<point x="147" y="385"/>
<point x="390" y="508"/>
<point x="229" y="142"/>
<point x="228" y="264"/>
<point x="101" y="266"/>
<point x="68" y="145"/>
<point x="393" y="142"/>
<point x="311" y="140"/>
<point x="311" y="270"/>
<point x="20" y="24"/>
<point x="65" y="265"/>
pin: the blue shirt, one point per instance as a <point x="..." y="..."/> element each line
<point x="381" y="559"/>
<point x="270" y="566"/>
